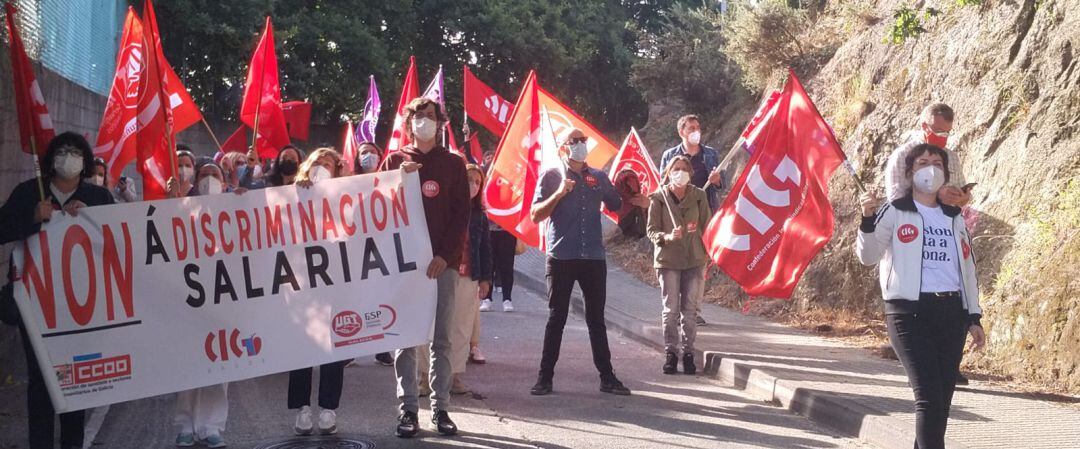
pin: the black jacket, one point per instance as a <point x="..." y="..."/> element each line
<point x="479" y="245"/>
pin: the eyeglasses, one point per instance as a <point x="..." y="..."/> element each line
<point x="573" y="140"/>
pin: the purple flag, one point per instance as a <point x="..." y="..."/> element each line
<point x="435" y="89"/>
<point x="365" y="130"/>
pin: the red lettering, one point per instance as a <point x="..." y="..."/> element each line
<point x="113" y="271"/>
<point x="211" y="245"/>
<point x="363" y="212"/>
<point x="32" y="276"/>
<point x="222" y="218"/>
<point x="243" y="227"/>
<point x="273" y="223"/>
<point x="81" y="313"/>
<point x="194" y="236"/>
<point x="401" y="210"/>
<point x="350" y="228"/>
<point x="380" y="221"/>
<point x="307" y="220"/>
<point x="292" y="229"/>
<point x="179" y="235"/>
<point x="258" y="228"/>
<point x="328" y="223"/>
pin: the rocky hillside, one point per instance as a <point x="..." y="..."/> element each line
<point x="1011" y="70"/>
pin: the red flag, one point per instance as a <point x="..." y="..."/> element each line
<point x="237" y="142"/>
<point x="778" y="214"/>
<point x="750" y="135"/>
<point x="484" y="105"/>
<point x="349" y="148"/>
<point x="297" y="118"/>
<point x="410" y="89"/>
<point x="116" y="135"/>
<point x="35" y="126"/>
<point x="451" y="142"/>
<point x="475" y="152"/>
<point x="154" y="135"/>
<point x="262" y="98"/>
<point x="183" y="109"/>
<point x="633" y="155"/>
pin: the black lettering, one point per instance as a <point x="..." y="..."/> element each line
<point x="222" y="283"/>
<point x="252" y="292"/>
<point x="194" y="301"/>
<point x="372" y="259"/>
<point x="283" y="273"/>
<point x="153" y="243"/>
<point x="344" y="262"/>
<point x="317" y="269"/>
<point x="402" y="265"/>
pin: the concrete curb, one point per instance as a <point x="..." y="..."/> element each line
<point x="826" y="408"/>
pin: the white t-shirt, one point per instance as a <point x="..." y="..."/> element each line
<point x="61" y="197"/>
<point x="940" y="260"/>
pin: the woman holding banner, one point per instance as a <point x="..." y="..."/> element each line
<point x="285" y="167"/>
<point x="929" y="284"/>
<point x="320" y="165"/>
<point x="67" y="161"/>
<point x="678" y="212"/>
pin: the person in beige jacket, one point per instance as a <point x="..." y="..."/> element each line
<point x="678" y="214"/>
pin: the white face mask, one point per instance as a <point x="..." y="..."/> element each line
<point x="579" y="152"/>
<point x="694" y="138"/>
<point x="680" y="178"/>
<point x="474" y="189"/>
<point x="928" y="179"/>
<point x="368" y="161"/>
<point x="187" y="174"/>
<point x="68" y="166"/>
<point x="210" y="186"/>
<point x="424" y="128"/>
<point x="319" y="173"/>
<point x="97" y="180"/>
<point x="256" y="172"/>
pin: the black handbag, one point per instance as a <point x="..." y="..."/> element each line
<point x="9" y="312"/>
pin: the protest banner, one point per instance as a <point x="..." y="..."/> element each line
<point x="129" y="301"/>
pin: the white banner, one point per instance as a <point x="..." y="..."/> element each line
<point x="136" y="300"/>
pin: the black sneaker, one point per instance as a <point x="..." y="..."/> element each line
<point x="961" y="379"/>
<point x="385" y="359"/>
<point x="408" y="425"/>
<point x="542" y="388"/>
<point x="688" y="366"/>
<point x="442" y="423"/>
<point x="701" y="321"/>
<point x="671" y="363"/>
<point x="615" y="387"/>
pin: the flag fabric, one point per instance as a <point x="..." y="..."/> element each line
<point x="156" y="156"/>
<point x="349" y="147"/>
<point x="116" y="135"/>
<point x="183" y="109"/>
<point x="237" y="142"/>
<point x="365" y="130"/>
<point x="485" y="106"/>
<point x="475" y="154"/>
<point x="750" y="135"/>
<point x="410" y="89"/>
<point x="297" y="119"/>
<point x="261" y="107"/>
<point x="633" y="155"/>
<point x="434" y="90"/>
<point x="778" y="216"/>
<point x="35" y="126"/>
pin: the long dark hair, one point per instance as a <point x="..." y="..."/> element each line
<point x="477" y="204"/>
<point x="68" y="139"/>
<point x="275" y="178"/>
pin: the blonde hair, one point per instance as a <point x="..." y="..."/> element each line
<point x="671" y="165"/>
<point x="305" y="167"/>
<point x="236" y="158"/>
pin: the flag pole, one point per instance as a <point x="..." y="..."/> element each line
<point x="258" y="106"/>
<point x="667" y="206"/>
<point x="212" y="136"/>
<point x="37" y="169"/>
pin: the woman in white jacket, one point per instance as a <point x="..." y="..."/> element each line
<point x="928" y="281"/>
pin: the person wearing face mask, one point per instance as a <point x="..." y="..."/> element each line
<point x="935" y="127"/>
<point x="445" y="190"/>
<point x="570" y="196"/>
<point x="97" y="176"/>
<point x="928" y="281"/>
<point x="285" y="168"/>
<point x="705" y="159"/>
<point x="678" y="214"/>
<point x="231" y="166"/>
<point x="368" y="158"/>
<point x="68" y="160"/>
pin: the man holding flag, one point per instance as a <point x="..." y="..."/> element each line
<point x="570" y="196"/>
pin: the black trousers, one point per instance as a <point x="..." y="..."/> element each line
<point x="503" y="245"/>
<point x="591" y="276"/>
<point x="40" y="410"/>
<point x="930" y="344"/>
<point x="331" y="377"/>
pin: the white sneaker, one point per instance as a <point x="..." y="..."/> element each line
<point x="508" y="306"/>
<point x="327" y="422"/>
<point x="303" y="424"/>
<point x="485" y="305"/>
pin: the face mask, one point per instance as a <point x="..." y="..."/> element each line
<point x="935" y="138"/>
<point x="68" y="166"/>
<point x="97" y="180"/>
<point x="368" y="161"/>
<point x="928" y="179"/>
<point x="680" y="178"/>
<point x="319" y="173"/>
<point x="210" y="186"/>
<point x="288" y="167"/>
<point x="257" y="171"/>
<point x="579" y="151"/>
<point x="186" y="174"/>
<point x="694" y="138"/>
<point x="474" y="188"/>
<point x="423" y="128"/>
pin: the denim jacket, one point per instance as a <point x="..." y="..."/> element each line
<point x="712" y="160"/>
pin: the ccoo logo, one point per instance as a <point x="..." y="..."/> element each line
<point x="220" y="347"/>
